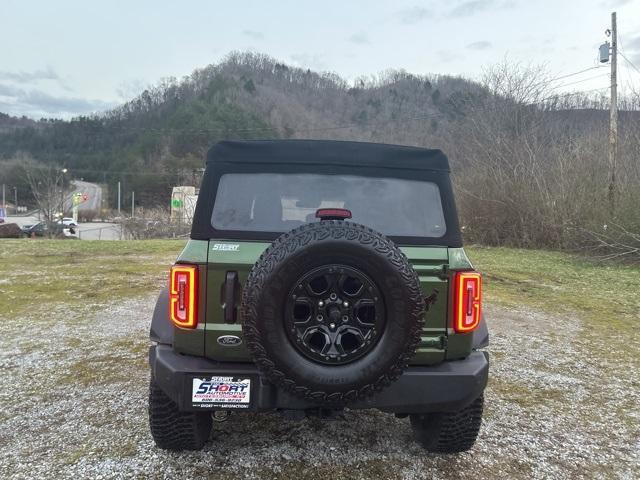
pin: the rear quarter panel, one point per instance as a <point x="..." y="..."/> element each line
<point x="192" y="341"/>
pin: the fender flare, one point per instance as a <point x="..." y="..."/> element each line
<point x="161" y="327"/>
<point x="480" y="337"/>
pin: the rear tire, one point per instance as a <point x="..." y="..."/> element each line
<point x="172" y="429"/>
<point x="449" y="432"/>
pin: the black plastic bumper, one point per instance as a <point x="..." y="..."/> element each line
<point x="449" y="386"/>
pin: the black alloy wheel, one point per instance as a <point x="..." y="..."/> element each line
<point x="334" y="314"/>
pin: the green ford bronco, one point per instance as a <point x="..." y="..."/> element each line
<point x="321" y="275"/>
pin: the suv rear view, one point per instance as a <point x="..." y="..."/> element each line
<point x="321" y="275"/>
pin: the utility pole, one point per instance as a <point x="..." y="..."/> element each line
<point x="61" y="176"/>
<point x="15" y="200"/>
<point x="4" y="203"/>
<point x="118" y="198"/>
<point x="133" y="203"/>
<point x="613" y="118"/>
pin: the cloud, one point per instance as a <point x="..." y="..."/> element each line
<point x="54" y="104"/>
<point x="37" y="103"/>
<point x="447" y="56"/>
<point x="615" y="3"/>
<point x="309" y="60"/>
<point x="255" y="35"/>
<point x="413" y="15"/>
<point x="481" y="45"/>
<point x="473" y="7"/>
<point x="130" y="88"/>
<point x="359" y="38"/>
<point x="27" y="77"/>
<point x="632" y="50"/>
<point x="36" y="76"/>
<point x="633" y="44"/>
<point x="9" y="90"/>
<point x="466" y="9"/>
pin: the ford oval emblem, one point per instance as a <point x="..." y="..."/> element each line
<point x="229" y="341"/>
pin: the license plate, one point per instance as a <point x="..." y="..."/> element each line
<point x="226" y="392"/>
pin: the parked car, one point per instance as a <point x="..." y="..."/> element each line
<point x="279" y="302"/>
<point x="38" y="229"/>
<point x="67" y="222"/>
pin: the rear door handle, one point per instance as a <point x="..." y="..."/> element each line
<point x="229" y="295"/>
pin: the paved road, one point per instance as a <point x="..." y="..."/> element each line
<point x="94" y="192"/>
<point x="85" y="231"/>
<point x="22" y="221"/>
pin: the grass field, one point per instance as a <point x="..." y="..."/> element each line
<point x="561" y="283"/>
<point x="561" y="401"/>
<point x="49" y="271"/>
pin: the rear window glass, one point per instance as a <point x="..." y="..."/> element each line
<point x="275" y="202"/>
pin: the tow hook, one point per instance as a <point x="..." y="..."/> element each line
<point x="220" y="415"/>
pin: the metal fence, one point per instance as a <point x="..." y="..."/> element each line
<point x="111" y="232"/>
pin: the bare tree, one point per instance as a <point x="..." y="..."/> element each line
<point x="47" y="184"/>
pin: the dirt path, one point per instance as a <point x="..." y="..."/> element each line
<point x="73" y="404"/>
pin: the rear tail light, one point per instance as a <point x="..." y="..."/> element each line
<point x="183" y="296"/>
<point x="467" y="301"/>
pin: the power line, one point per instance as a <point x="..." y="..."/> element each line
<point x="571" y="94"/>
<point x="107" y="172"/>
<point x="545" y="82"/>
<point x="573" y="74"/>
<point x="629" y="61"/>
<point x="623" y="56"/>
<point x="204" y="131"/>
<point x="583" y="80"/>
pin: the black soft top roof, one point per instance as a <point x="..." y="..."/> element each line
<point x="325" y="157"/>
<point x="328" y="152"/>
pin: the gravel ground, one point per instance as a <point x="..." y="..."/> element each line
<point x="73" y="404"/>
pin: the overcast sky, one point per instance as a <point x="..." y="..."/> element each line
<point x="63" y="58"/>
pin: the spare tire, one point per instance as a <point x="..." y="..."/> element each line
<point x="332" y="312"/>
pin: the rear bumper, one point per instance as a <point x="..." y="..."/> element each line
<point x="449" y="386"/>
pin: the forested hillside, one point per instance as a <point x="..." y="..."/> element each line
<point x="530" y="166"/>
<point x="158" y="138"/>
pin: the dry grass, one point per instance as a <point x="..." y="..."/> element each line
<point x="42" y="274"/>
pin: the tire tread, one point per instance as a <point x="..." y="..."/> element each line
<point x="450" y="432"/>
<point x="172" y="429"/>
